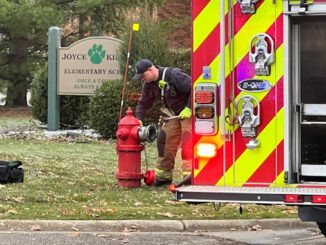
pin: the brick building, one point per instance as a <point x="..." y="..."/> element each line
<point x="181" y="11"/>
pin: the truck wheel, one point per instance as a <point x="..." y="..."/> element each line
<point x="322" y="227"/>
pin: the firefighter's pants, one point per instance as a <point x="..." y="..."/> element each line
<point x="171" y="135"/>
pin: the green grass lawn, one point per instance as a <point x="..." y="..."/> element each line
<point x="70" y="180"/>
<point x="17" y="121"/>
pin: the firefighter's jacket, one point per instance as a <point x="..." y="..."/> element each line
<point x="177" y="93"/>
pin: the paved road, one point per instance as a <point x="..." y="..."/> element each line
<point x="241" y="231"/>
<point x="300" y="236"/>
<point x="116" y="238"/>
<point x="290" y="236"/>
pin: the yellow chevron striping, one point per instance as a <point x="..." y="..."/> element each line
<point x="205" y="22"/>
<point x="260" y="96"/>
<point x="216" y="62"/>
<point x="202" y="162"/>
<point x="265" y="17"/>
<point x="279" y="182"/>
<point x="275" y="73"/>
<point x="258" y="23"/>
<point x="279" y="128"/>
<point x="250" y="160"/>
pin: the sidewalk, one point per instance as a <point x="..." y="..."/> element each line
<point x="151" y="225"/>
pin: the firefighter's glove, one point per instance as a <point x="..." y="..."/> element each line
<point x="141" y="123"/>
<point x="185" y="113"/>
<point x="161" y="84"/>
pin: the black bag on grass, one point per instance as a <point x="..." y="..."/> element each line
<point x="11" y="172"/>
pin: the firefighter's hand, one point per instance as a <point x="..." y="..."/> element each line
<point x="161" y="84"/>
<point x="185" y="113"/>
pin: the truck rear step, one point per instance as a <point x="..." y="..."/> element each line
<point x="259" y="195"/>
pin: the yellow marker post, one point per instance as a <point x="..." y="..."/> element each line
<point x="135" y="27"/>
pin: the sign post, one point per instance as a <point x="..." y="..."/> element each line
<point x="53" y="98"/>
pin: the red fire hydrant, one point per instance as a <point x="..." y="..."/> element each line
<point x="130" y="134"/>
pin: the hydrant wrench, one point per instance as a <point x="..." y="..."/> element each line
<point x="171" y="118"/>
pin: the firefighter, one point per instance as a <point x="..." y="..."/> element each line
<point x="173" y="86"/>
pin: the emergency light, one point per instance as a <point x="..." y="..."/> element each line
<point x="291" y="198"/>
<point x="206" y="150"/>
<point x="206" y="112"/>
<point x="204" y="97"/>
<point x="318" y="199"/>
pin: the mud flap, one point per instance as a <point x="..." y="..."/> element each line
<point x="312" y="213"/>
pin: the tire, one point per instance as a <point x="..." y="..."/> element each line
<point x="322" y="227"/>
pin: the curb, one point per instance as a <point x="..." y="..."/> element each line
<point x="152" y="225"/>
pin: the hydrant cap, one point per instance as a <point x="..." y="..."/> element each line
<point x="129" y="120"/>
<point x="129" y="111"/>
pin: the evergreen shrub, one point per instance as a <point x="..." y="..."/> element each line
<point x="181" y="58"/>
<point x="73" y="109"/>
<point x="39" y="94"/>
<point x="104" y="108"/>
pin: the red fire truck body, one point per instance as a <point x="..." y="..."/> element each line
<point x="259" y="104"/>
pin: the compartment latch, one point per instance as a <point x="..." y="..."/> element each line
<point x="248" y="121"/>
<point x="248" y="6"/>
<point x="261" y="53"/>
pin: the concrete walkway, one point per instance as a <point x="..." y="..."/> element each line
<point x="152" y="225"/>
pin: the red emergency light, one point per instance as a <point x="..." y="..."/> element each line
<point x="204" y="97"/>
<point x="318" y="199"/>
<point x="291" y="198"/>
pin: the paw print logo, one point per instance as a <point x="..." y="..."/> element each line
<point x="97" y="54"/>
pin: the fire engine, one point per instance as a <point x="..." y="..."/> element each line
<point x="259" y="104"/>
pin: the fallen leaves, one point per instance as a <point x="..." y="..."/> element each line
<point x="254" y="228"/>
<point x="12" y="211"/>
<point x="6" y="210"/>
<point x="68" y="212"/>
<point x="137" y="204"/>
<point x="168" y="202"/>
<point x="131" y="228"/>
<point x="290" y="210"/>
<point x="95" y="212"/>
<point x="18" y="199"/>
<point x="167" y="214"/>
<point x="35" y="228"/>
<point x="101" y="235"/>
<point x="195" y="211"/>
<point x="102" y="210"/>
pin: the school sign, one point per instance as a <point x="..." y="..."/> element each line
<point x="78" y="69"/>
<point x="84" y="65"/>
